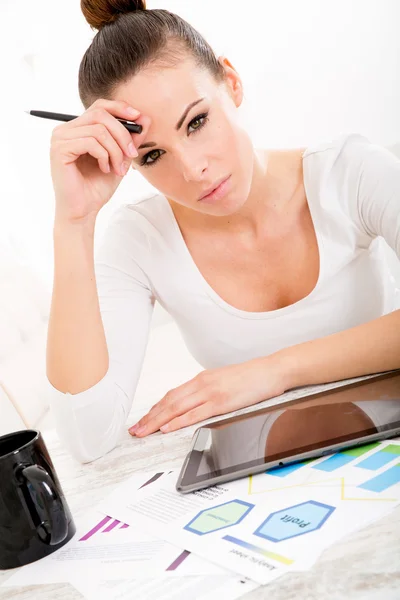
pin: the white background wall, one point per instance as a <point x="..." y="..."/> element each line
<point x="312" y="70"/>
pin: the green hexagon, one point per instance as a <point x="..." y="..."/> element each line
<point x="219" y="517"/>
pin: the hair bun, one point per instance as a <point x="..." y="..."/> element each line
<point x="101" y="12"/>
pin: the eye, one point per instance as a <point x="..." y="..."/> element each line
<point x="198" y="119"/>
<point x="153" y="155"/>
<point x="197" y="123"/>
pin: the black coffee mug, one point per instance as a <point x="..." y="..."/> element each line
<point x="34" y="517"/>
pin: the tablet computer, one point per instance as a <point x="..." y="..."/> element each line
<point x="353" y="414"/>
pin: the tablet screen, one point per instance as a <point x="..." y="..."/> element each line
<point x="316" y="422"/>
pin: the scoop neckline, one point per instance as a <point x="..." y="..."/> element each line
<point x="216" y="298"/>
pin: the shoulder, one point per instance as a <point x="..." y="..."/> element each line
<point x="356" y="182"/>
<point x="136" y="232"/>
<point x="140" y="222"/>
<point x="142" y="214"/>
<point x="352" y="164"/>
<point x="349" y="152"/>
<point x="344" y="147"/>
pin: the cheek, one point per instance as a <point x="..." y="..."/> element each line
<point x="225" y="137"/>
<point x="165" y="178"/>
<point x="161" y="177"/>
<point x="237" y="145"/>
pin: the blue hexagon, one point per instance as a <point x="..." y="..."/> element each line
<point x="294" y="520"/>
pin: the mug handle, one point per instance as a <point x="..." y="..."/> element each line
<point x="55" y="529"/>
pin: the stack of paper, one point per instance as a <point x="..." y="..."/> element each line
<point x="110" y="559"/>
<point x="147" y="540"/>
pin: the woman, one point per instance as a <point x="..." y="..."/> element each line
<point x="270" y="278"/>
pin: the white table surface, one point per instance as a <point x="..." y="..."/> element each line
<point x="364" y="566"/>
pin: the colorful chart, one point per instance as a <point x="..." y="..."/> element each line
<point x="107" y="524"/>
<point x="294" y="520"/>
<point x="343" y="458"/>
<point x="381" y="458"/>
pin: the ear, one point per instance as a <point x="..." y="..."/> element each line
<point x="232" y="80"/>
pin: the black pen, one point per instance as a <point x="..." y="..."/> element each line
<point x="130" y="126"/>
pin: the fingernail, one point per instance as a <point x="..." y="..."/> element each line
<point x="164" y="428"/>
<point x="140" y="430"/>
<point x="133" y="428"/>
<point x="132" y="150"/>
<point x="132" y="111"/>
<point x="124" y="168"/>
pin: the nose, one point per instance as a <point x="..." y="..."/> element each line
<point x="194" y="166"/>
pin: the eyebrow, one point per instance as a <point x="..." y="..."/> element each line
<point x="177" y="126"/>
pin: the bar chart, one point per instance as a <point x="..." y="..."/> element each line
<point x="105" y="525"/>
<point x="343" y="458"/>
<point x="381" y="458"/>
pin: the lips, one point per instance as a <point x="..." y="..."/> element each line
<point x="211" y="189"/>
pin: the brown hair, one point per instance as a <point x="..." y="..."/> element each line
<point x="130" y="38"/>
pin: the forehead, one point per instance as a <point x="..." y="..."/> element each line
<point x="156" y="91"/>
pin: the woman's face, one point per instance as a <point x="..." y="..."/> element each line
<point x="185" y="159"/>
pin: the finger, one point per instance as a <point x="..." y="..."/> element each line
<point x="72" y="149"/>
<point x="175" y="395"/>
<point x="123" y="110"/>
<point x="200" y="413"/>
<point x="108" y="112"/>
<point x="171" y="412"/>
<point x="100" y="115"/>
<point x="119" y="108"/>
<point x="100" y="132"/>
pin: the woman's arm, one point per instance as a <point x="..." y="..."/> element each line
<point x="98" y="332"/>
<point x="374" y="346"/>
<point x="368" y="348"/>
<point x="77" y="354"/>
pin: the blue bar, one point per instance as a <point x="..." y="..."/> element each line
<point x="383" y="481"/>
<point x="334" y="462"/>
<point x="283" y="471"/>
<point x="377" y="460"/>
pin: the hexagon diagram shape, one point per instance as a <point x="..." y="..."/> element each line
<point x="219" y="517"/>
<point x="294" y="520"/>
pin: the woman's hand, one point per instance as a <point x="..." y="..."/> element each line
<point x="90" y="155"/>
<point x="214" y="392"/>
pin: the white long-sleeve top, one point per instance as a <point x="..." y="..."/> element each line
<point x="353" y="191"/>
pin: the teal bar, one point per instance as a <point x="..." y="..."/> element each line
<point x="283" y="471"/>
<point x="382" y="482"/>
<point x="377" y="460"/>
<point x="334" y="462"/>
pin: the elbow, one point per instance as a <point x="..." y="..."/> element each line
<point x="85" y="454"/>
<point x="90" y="424"/>
<point x="88" y="442"/>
